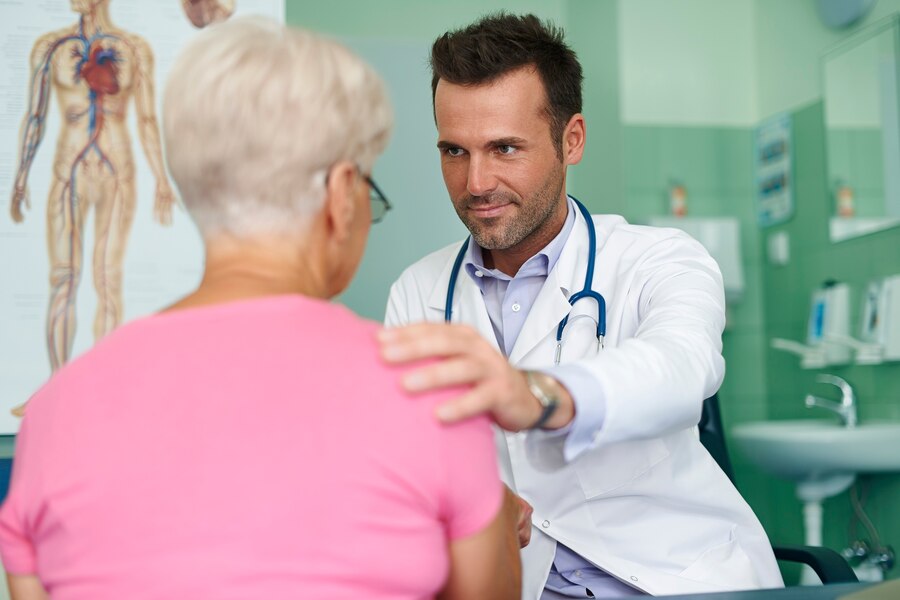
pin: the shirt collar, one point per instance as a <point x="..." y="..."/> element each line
<point x="538" y="265"/>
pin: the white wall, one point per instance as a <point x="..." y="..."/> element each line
<point x="690" y="62"/>
<point x="791" y="40"/>
<point x="723" y="62"/>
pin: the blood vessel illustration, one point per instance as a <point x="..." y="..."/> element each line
<point x="95" y="70"/>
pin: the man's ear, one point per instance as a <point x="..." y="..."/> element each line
<point x="573" y="140"/>
<point x="340" y="202"/>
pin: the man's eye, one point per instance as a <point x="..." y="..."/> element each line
<point x="454" y="151"/>
<point x="506" y="149"/>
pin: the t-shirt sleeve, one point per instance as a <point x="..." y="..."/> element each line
<point x="473" y="493"/>
<point x="16" y="548"/>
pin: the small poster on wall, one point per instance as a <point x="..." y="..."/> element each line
<point x="774" y="179"/>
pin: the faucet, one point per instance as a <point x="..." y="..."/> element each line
<point x="845" y="409"/>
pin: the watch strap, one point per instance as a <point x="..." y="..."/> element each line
<point x="548" y="401"/>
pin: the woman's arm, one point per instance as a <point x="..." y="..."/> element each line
<point x="486" y="564"/>
<point x="25" y="587"/>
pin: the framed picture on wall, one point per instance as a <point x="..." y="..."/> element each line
<point x="774" y="181"/>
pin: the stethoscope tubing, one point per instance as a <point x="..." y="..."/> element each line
<point x="586" y="291"/>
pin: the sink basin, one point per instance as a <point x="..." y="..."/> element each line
<point x="809" y="450"/>
<point x="822" y="457"/>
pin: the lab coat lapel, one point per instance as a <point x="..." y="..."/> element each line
<point x="552" y="303"/>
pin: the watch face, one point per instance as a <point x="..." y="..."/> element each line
<point x="541" y="388"/>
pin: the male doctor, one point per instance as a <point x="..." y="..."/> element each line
<point x="602" y="445"/>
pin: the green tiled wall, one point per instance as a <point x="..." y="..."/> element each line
<point x="716" y="166"/>
<point x="786" y="305"/>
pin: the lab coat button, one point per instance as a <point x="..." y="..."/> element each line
<point x="545" y="524"/>
<point x="516" y="307"/>
<point x="633" y="578"/>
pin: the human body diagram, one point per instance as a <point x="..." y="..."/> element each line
<point x="95" y="70"/>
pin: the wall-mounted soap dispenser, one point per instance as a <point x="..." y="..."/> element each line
<point x="870" y="347"/>
<point x="721" y="236"/>
<point x="829" y="321"/>
<point x="827" y="330"/>
<point x="881" y="317"/>
<point x="829" y="315"/>
<point x="879" y="333"/>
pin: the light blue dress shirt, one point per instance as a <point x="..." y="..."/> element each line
<point x="508" y="300"/>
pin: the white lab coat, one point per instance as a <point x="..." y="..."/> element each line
<point x="645" y="502"/>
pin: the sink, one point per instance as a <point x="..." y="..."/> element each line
<point x="809" y="450"/>
<point x="822" y="458"/>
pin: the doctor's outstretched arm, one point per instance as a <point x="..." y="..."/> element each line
<point x="649" y="381"/>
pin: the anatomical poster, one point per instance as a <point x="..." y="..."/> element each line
<point x="91" y="231"/>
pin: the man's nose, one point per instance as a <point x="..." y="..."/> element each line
<point x="481" y="180"/>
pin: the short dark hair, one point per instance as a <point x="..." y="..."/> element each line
<point x="499" y="43"/>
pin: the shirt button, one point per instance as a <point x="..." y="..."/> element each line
<point x="516" y="307"/>
<point x="479" y="274"/>
<point x="545" y="524"/>
<point x="577" y="572"/>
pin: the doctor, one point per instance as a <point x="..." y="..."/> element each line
<point x="603" y="445"/>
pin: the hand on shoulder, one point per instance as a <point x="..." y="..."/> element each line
<point x="496" y="388"/>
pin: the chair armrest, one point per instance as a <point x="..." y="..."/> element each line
<point x="828" y="564"/>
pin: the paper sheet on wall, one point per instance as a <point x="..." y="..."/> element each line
<point x="160" y="264"/>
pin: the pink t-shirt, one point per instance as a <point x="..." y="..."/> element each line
<point x="256" y="449"/>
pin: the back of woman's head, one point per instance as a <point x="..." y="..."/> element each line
<point x="255" y="113"/>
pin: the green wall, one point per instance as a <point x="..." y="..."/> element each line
<point x="786" y="304"/>
<point x="592" y="30"/>
<point x="716" y="166"/>
<point x="791" y="41"/>
<point x="420" y="20"/>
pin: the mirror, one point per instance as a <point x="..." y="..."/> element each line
<point x="862" y="132"/>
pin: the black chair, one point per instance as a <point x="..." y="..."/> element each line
<point x="828" y="564"/>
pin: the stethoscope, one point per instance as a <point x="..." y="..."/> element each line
<point x="586" y="291"/>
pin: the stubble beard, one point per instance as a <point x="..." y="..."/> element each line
<point x="533" y="213"/>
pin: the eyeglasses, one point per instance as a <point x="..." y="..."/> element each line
<point x="379" y="201"/>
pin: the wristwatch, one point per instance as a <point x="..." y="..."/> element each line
<point x="545" y="390"/>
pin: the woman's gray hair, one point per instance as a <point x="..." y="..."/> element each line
<point x="255" y="113"/>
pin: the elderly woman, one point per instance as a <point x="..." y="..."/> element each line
<point x="247" y="442"/>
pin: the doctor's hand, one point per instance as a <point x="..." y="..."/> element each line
<point x="496" y="388"/>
